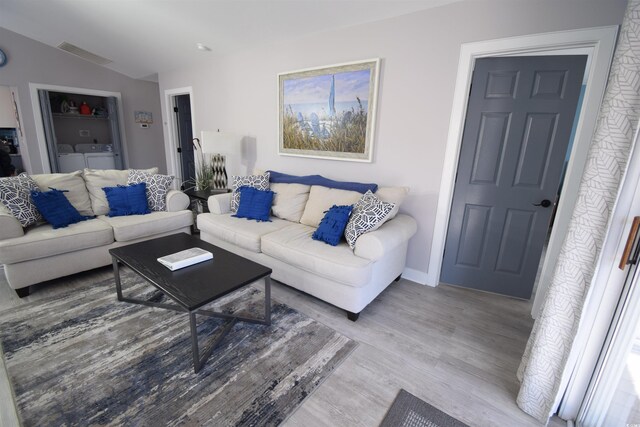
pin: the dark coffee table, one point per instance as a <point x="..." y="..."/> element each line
<point x="195" y="286"/>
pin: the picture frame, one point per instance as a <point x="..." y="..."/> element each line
<point x="329" y="112"/>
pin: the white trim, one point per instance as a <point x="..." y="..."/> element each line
<point x="606" y="287"/>
<point x="173" y="162"/>
<point x="37" y="116"/>
<point x="415" y="276"/>
<point x="601" y="41"/>
<point x="22" y="137"/>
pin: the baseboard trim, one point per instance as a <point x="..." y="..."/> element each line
<point x="415" y="276"/>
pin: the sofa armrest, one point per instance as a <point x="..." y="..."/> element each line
<point x="177" y="201"/>
<point x="10" y="227"/>
<point x="220" y="203"/>
<point x="390" y="235"/>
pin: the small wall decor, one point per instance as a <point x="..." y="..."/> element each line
<point x="144" y="117"/>
<point x="329" y="112"/>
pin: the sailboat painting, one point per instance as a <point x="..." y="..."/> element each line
<point x="329" y="112"/>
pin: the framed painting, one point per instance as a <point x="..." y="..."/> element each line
<point x="329" y="112"/>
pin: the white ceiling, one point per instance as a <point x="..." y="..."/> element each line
<point x="144" y="37"/>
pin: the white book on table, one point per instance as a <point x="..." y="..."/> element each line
<point x="185" y="258"/>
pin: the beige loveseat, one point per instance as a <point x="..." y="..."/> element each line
<point x="347" y="278"/>
<point x="39" y="253"/>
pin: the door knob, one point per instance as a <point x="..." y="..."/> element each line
<point x="545" y="203"/>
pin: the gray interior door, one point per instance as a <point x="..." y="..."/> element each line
<point x="185" y="138"/>
<point x="518" y="124"/>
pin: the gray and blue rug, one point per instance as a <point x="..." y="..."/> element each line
<point x="83" y="358"/>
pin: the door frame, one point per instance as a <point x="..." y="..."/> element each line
<point x="600" y="43"/>
<point x="37" y="115"/>
<point x="174" y="166"/>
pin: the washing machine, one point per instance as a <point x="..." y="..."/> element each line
<point x="70" y="162"/>
<point x="97" y="156"/>
<point x="100" y="160"/>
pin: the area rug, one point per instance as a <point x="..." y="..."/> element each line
<point x="83" y="358"/>
<point x="410" y="411"/>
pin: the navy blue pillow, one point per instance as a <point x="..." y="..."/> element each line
<point x="332" y="226"/>
<point x="55" y="208"/>
<point x="127" y="199"/>
<point x="254" y="203"/>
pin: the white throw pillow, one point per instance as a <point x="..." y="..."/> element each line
<point x="73" y="183"/>
<point x="395" y="195"/>
<point x="368" y="214"/>
<point x="157" y="187"/>
<point x="97" y="179"/>
<point x="289" y="200"/>
<point x="321" y="199"/>
<point x="15" y="195"/>
<point x="259" y="182"/>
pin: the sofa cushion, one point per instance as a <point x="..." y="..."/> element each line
<point x="289" y="201"/>
<point x="127" y="228"/>
<point x="97" y="179"/>
<point x="321" y="199"/>
<point x="43" y="241"/>
<point x="73" y="183"/>
<point x="295" y="246"/>
<point x="395" y="195"/>
<point x="240" y="232"/>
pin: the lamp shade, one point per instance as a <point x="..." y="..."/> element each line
<point x="227" y="144"/>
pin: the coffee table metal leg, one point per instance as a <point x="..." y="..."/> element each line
<point x="116" y="273"/>
<point x="200" y="360"/>
<point x="267" y="300"/>
<point x="194" y="342"/>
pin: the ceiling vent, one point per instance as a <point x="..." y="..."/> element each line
<point x="84" y="54"/>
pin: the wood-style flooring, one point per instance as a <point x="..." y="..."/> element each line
<point x="455" y="348"/>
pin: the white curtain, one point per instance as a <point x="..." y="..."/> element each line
<point x="554" y="331"/>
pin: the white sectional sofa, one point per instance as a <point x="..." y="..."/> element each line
<point x="39" y="253"/>
<point x="347" y="278"/>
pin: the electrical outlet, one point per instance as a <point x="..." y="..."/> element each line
<point x="85" y="133"/>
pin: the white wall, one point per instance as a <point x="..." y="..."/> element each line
<point x="238" y="93"/>
<point x="34" y="62"/>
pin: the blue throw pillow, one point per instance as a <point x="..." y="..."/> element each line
<point x="332" y="226"/>
<point x="127" y="199"/>
<point x="55" y="208"/>
<point x="254" y="203"/>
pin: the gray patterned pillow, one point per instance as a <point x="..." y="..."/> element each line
<point x="15" y="195"/>
<point x="367" y="215"/>
<point x="157" y="187"/>
<point x="260" y="182"/>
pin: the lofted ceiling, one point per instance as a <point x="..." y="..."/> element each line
<point x="144" y="37"/>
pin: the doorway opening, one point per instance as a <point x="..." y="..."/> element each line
<point x="599" y="43"/>
<point x="105" y="118"/>
<point x="181" y="160"/>
<point x="517" y="129"/>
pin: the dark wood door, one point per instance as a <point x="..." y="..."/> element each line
<point x="517" y="129"/>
